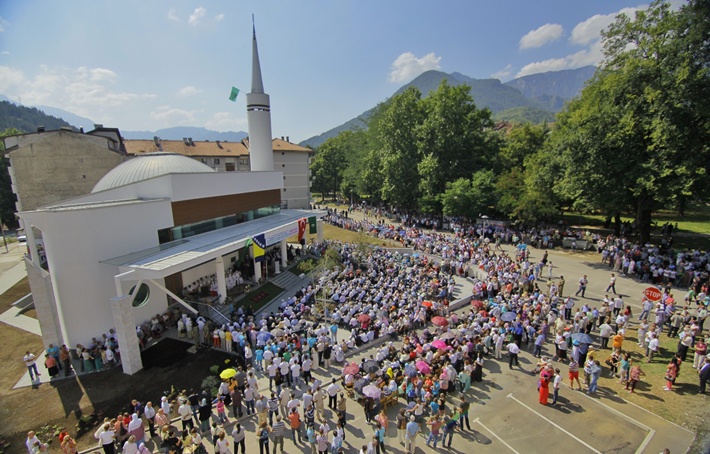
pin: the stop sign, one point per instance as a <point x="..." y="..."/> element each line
<point x="652" y="293"/>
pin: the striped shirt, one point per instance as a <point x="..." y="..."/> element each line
<point x="278" y="429"/>
<point x="274" y="404"/>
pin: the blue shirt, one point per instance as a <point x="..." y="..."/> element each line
<point x="412" y="429"/>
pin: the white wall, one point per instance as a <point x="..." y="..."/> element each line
<point x="189" y="186"/>
<point x="77" y="240"/>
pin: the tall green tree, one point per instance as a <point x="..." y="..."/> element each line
<point x="529" y="169"/>
<point x="455" y="140"/>
<point x="327" y="166"/>
<point x="396" y="132"/>
<point x="640" y="133"/>
<point x="470" y="198"/>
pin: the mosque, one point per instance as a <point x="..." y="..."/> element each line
<point x="116" y="257"/>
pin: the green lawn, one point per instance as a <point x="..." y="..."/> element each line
<point x="696" y="219"/>
<point x="693" y="228"/>
<point x="682" y="405"/>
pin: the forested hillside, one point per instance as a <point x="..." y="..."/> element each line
<point x="27" y="119"/>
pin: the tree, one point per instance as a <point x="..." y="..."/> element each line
<point x="469" y="198"/>
<point x="454" y="140"/>
<point x="396" y="131"/>
<point x="524" y="187"/>
<point x="327" y="168"/>
<point x="639" y="134"/>
<point x="521" y="142"/>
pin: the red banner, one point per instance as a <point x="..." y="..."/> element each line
<point x="302" y="224"/>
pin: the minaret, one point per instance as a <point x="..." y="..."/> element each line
<point x="259" y="118"/>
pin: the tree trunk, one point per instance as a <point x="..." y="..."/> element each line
<point x="607" y="221"/>
<point x="681" y="205"/>
<point x="617" y="223"/>
<point x="644" y="209"/>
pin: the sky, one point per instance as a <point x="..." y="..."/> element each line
<point x="152" y="64"/>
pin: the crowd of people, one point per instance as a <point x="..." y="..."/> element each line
<point x="430" y="354"/>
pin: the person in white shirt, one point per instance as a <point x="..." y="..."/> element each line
<point x="296" y="373"/>
<point x="165" y="405"/>
<point x="333" y="389"/>
<point x="271" y="369"/>
<point x="556" y="382"/>
<point x="284" y="398"/>
<point x="31" y="364"/>
<point x="652" y="347"/>
<point x="513" y="351"/>
<point x="306" y="368"/>
<point x="32" y="440"/>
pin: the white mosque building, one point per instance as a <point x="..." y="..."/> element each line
<point x="152" y="223"/>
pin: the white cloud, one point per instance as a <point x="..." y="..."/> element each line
<point x="96" y="74"/>
<point x="172" y="15"/>
<point x="219" y="17"/>
<point x="407" y="66"/>
<point x="78" y="90"/>
<point x="584" y="57"/>
<point x="198" y="14"/>
<point x="586" y="33"/>
<point x="10" y="78"/>
<point x="590" y="30"/>
<point x="3" y="24"/>
<point x="174" y="116"/>
<point x="188" y="91"/>
<point x="503" y="73"/>
<point x="226" y="121"/>
<point x="541" y="36"/>
<point x="5" y="52"/>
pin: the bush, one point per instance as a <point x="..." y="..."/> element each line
<point x="210" y="383"/>
<point x="306" y="266"/>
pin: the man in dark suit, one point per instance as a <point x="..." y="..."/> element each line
<point x="704" y="374"/>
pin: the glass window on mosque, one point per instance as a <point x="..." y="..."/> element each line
<point x="188" y="230"/>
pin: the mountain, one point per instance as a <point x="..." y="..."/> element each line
<point x="524" y="115"/>
<point x="73" y="119"/>
<point x="533" y="98"/>
<point x="27" y="119"/>
<point x="565" y="84"/>
<point x="178" y="132"/>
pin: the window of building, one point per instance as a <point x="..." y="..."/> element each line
<point x="229" y="166"/>
<point x="142" y="296"/>
<point x="216" y="161"/>
<point x="209" y="225"/>
<point x="243" y="162"/>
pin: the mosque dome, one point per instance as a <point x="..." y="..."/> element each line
<point x="149" y="165"/>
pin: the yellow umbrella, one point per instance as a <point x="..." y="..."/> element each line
<point x="228" y="373"/>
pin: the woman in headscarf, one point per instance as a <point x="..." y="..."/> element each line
<point x="465" y="378"/>
<point x="544" y="384"/>
<point x="205" y="414"/>
<point x="136" y="429"/>
<point x="671" y="373"/>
